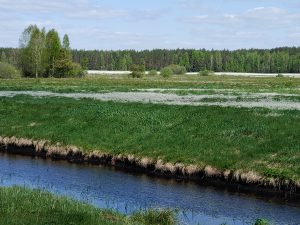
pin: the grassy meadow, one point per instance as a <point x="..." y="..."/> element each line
<point x="261" y="140"/>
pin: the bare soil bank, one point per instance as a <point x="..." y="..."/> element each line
<point x="239" y="180"/>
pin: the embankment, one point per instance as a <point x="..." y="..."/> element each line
<point x="240" y="180"/>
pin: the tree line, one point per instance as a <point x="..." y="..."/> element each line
<point x="42" y="54"/>
<point x="279" y="60"/>
<point x="53" y="58"/>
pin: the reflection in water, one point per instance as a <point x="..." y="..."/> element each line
<point x="126" y="193"/>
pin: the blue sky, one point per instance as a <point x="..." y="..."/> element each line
<point x="148" y="24"/>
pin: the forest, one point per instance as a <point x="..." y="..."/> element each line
<point x="278" y="60"/>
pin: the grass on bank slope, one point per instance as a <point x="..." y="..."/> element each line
<point x="261" y="140"/>
<point x="33" y="207"/>
<point x="123" y="83"/>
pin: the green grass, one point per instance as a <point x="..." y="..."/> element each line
<point x="19" y="205"/>
<point x="23" y="206"/>
<point x="261" y="140"/>
<point x="123" y="83"/>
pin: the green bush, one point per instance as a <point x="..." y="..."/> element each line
<point x="205" y="72"/>
<point x="166" y="72"/>
<point x="152" y="73"/>
<point x="76" y="71"/>
<point x="8" y="71"/>
<point x="137" y="71"/>
<point x="177" y="70"/>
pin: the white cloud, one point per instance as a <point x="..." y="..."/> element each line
<point x="256" y="9"/>
<point x="96" y="14"/>
<point x="230" y="16"/>
<point x="266" y="12"/>
<point x="73" y="9"/>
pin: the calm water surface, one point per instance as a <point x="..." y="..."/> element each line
<point x="124" y="192"/>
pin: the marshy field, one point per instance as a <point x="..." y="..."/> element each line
<point x="238" y="131"/>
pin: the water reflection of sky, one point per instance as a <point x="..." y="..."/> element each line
<point x="126" y="193"/>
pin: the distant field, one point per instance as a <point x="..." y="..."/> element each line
<point x="109" y="83"/>
<point x="296" y="75"/>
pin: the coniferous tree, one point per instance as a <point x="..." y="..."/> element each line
<point x="66" y="42"/>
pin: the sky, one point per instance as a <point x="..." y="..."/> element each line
<point x="149" y="24"/>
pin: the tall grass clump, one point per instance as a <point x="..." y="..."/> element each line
<point x="262" y="222"/>
<point x="152" y="216"/>
<point x="8" y="71"/>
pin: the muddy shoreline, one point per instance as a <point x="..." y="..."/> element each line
<point x="248" y="182"/>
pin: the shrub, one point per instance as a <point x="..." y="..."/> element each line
<point x="8" y="71"/>
<point x="205" y="72"/>
<point x="178" y="70"/>
<point x="137" y="71"/>
<point x="166" y="72"/>
<point x="76" y="71"/>
<point x="152" y="73"/>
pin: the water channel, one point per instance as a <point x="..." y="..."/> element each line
<point x="125" y="192"/>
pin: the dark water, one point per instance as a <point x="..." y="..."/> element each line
<point x="126" y="193"/>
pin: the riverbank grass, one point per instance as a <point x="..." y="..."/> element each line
<point x="23" y="206"/>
